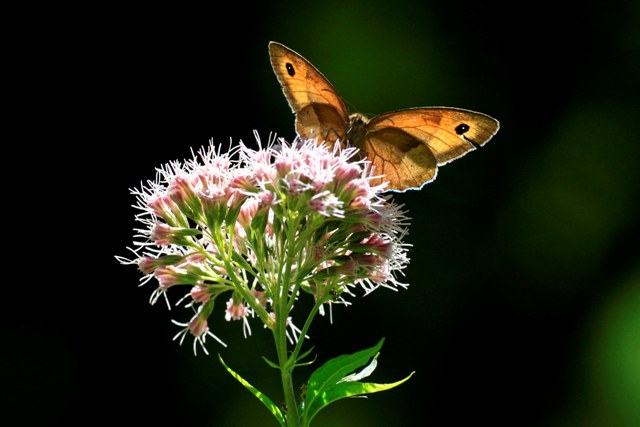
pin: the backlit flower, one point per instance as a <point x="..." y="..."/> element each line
<point x="266" y="227"/>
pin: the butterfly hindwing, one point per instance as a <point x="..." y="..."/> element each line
<point x="448" y="132"/>
<point x="399" y="158"/>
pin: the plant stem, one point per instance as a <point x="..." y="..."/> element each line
<point x="305" y="329"/>
<point x="286" y="370"/>
<point x="288" y="364"/>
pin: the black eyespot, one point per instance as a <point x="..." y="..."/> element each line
<point x="290" y="69"/>
<point x="460" y="129"/>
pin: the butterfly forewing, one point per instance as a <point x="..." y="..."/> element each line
<point x="320" y="111"/>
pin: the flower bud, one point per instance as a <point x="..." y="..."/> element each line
<point x="167" y="276"/>
<point x="147" y="264"/>
<point x="200" y="294"/>
<point x="183" y="194"/>
<point x="347" y="172"/>
<point x="235" y="310"/>
<point x="163" y="234"/>
<point x="198" y="326"/>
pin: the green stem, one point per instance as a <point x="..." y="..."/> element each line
<point x="286" y="371"/>
<point x="305" y="328"/>
<point x="282" y="307"/>
<point x="288" y="364"/>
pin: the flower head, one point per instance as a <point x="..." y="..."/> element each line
<point x="266" y="226"/>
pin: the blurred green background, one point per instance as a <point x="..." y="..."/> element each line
<point x="524" y="301"/>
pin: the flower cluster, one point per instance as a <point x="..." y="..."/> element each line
<point x="264" y="227"/>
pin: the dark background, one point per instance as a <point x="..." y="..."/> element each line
<point x="524" y="299"/>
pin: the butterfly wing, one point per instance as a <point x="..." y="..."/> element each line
<point x="399" y="158"/>
<point x="407" y="146"/>
<point x="320" y="111"/>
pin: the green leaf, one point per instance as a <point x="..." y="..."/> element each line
<point x="299" y="361"/>
<point x="263" y="398"/>
<point x="305" y="354"/>
<point x="336" y="380"/>
<point x="270" y="363"/>
<point x="310" y="362"/>
<point x="334" y="370"/>
<point x="350" y="389"/>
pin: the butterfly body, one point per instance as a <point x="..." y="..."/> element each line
<point x="405" y="147"/>
<point x="356" y="130"/>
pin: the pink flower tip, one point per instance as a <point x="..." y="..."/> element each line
<point x="147" y="265"/>
<point x="198" y="326"/>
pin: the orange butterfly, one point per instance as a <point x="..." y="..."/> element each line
<point x="405" y="146"/>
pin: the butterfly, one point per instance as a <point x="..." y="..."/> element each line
<point x="405" y="147"/>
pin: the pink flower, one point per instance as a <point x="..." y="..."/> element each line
<point x="148" y="264"/>
<point x="326" y="204"/>
<point x="360" y="204"/>
<point x="379" y="274"/>
<point x="244" y="182"/>
<point x="294" y="185"/>
<point x="357" y="188"/>
<point x="167" y="276"/>
<point x="378" y="245"/>
<point x="266" y="226"/>
<point x="163" y="234"/>
<point x="235" y="310"/>
<point x="347" y="172"/>
<point x="198" y="326"/>
<point x="261" y="164"/>
<point x="163" y="207"/>
<point x="195" y="258"/>
<point x="247" y="211"/>
<point x="181" y="191"/>
<point x="266" y="198"/>
<point x="200" y="294"/>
